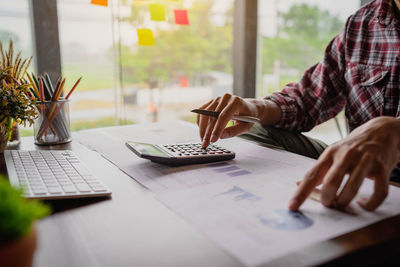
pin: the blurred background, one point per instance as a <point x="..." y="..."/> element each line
<point x="125" y="83"/>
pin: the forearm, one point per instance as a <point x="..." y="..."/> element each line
<point x="266" y="110"/>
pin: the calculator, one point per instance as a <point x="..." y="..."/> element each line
<point x="180" y="154"/>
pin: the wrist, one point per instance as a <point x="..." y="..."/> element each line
<point x="391" y="126"/>
<point x="266" y="110"/>
<point x="396" y="123"/>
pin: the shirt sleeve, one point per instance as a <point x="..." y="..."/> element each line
<point x="319" y="95"/>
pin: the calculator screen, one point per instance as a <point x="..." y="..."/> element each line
<point x="148" y="149"/>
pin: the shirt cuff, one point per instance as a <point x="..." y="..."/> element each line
<point x="288" y="108"/>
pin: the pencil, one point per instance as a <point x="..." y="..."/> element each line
<point x="33" y="85"/>
<point x="41" y="90"/>
<point x="49" y="83"/>
<point x="53" y="115"/>
<point x="73" y="87"/>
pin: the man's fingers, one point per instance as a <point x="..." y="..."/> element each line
<point x="207" y="134"/>
<point x="381" y="190"/>
<point x="356" y="178"/>
<point x="204" y="120"/>
<point x="235" y="130"/>
<point x="225" y="116"/>
<point x="202" y="107"/>
<point x="310" y="181"/>
<point x="207" y="138"/>
<point x="332" y="181"/>
<point x="206" y="104"/>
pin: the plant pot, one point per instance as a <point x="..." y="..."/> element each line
<point x="3" y="138"/>
<point x="19" y="253"/>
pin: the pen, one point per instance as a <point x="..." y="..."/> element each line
<point x="216" y="114"/>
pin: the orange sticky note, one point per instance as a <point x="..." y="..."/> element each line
<point x="157" y="12"/>
<point x="181" y="16"/>
<point x="145" y="37"/>
<point x="100" y="2"/>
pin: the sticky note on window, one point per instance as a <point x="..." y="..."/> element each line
<point x="157" y="12"/>
<point x="100" y="2"/>
<point x="145" y="37"/>
<point x="181" y="17"/>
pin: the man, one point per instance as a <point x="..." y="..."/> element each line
<point x="360" y="71"/>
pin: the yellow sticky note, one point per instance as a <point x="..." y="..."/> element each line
<point x="157" y="12"/>
<point x="145" y="37"/>
<point x="100" y="2"/>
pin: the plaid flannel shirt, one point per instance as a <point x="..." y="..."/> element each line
<point x="360" y="71"/>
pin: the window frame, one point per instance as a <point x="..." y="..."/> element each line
<point x="45" y="35"/>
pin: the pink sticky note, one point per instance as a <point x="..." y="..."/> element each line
<point x="100" y="2"/>
<point x="181" y="16"/>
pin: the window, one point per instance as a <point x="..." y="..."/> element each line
<point x="15" y="25"/>
<point x="87" y="50"/>
<point x="187" y="65"/>
<point x="292" y="37"/>
<point x="124" y="82"/>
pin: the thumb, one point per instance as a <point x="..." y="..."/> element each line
<point x="235" y="130"/>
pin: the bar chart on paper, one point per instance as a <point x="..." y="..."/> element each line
<point x="239" y="194"/>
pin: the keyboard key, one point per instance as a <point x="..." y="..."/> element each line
<point x="99" y="189"/>
<point x="39" y="191"/>
<point x="83" y="187"/>
<point x="55" y="190"/>
<point x="69" y="189"/>
<point x="78" y="181"/>
<point x="81" y="169"/>
<point x="88" y="178"/>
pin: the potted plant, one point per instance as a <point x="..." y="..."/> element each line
<point x="17" y="228"/>
<point x="17" y="104"/>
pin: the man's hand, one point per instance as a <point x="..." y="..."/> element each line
<point x="211" y="129"/>
<point x="372" y="150"/>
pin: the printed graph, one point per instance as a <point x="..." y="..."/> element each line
<point x="286" y="220"/>
<point x="239" y="194"/>
<point x="228" y="169"/>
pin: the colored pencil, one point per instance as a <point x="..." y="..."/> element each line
<point x="53" y="115"/>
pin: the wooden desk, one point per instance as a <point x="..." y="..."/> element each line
<point x="133" y="229"/>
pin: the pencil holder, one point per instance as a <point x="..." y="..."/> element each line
<point x="52" y="126"/>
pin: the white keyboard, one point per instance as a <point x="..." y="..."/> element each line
<point x="52" y="174"/>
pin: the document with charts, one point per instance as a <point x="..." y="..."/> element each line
<point x="250" y="219"/>
<point x="251" y="159"/>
